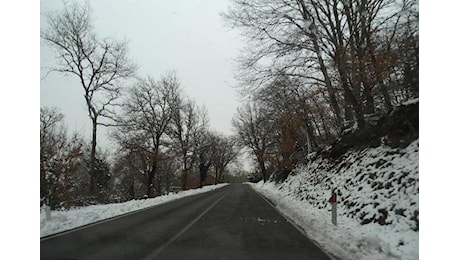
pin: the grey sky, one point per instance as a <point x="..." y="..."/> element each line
<point x="187" y="36"/>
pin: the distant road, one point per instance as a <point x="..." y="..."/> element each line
<point x="233" y="222"/>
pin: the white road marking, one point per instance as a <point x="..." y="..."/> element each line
<point x="170" y="241"/>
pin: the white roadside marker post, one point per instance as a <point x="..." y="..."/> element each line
<point x="47" y="210"/>
<point x="334" y="213"/>
<point x="333" y="201"/>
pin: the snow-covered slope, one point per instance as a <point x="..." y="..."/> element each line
<point x="62" y="220"/>
<point x="377" y="202"/>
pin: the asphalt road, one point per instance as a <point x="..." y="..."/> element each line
<point x="233" y="222"/>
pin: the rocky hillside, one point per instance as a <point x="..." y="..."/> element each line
<point x="374" y="185"/>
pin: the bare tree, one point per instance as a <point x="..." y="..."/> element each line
<point x="50" y="128"/>
<point x="254" y="130"/>
<point x="187" y="125"/>
<point x="205" y="150"/>
<point x="223" y="152"/>
<point x="148" y="112"/>
<point x="167" y="172"/>
<point x="287" y="109"/>
<point x="99" y="65"/>
<point x="60" y="158"/>
<point x="359" y="37"/>
<point x="52" y="139"/>
<point x="348" y="47"/>
<point x="282" y="40"/>
<point x="215" y="150"/>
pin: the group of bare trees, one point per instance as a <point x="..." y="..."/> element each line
<point x="167" y="135"/>
<point x="313" y="68"/>
<point x="64" y="162"/>
<point x="161" y="133"/>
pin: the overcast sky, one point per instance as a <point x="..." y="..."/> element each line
<point x="187" y="36"/>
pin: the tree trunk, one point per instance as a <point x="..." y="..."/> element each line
<point x="348" y="112"/>
<point x="221" y="174"/>
<point x="340" y="61"/>
<point x="131" y="190"/>
<point x="348" y="93"/>
<point x="357" y="55"/>
<point x="311" y="138"/>
<point x="150" y="177"/>
<point x="168" y="182"/>
<point x="369" y="106"/>
<point x="92" y="160"/>
<point x="364" y="79"/>
<point x="377" y="70"/>
<point x="184" y="179"/>
<point x="216" y="179"/>
<point x="203" y="168"/>
<point x="323" y="68"/>
<point x="263" y="169"/>
<point x="327" y="80"/>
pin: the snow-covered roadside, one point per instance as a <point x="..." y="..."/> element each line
<point x="346" y="241"/>
<point x="62" y="220"/>
<point x="372" y="181"/>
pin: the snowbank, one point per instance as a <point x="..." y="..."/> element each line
<point x="62" y="220"/>
<point x="377" y="202"/>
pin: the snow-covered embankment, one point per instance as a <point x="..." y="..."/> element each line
<point x="377" y="202"/>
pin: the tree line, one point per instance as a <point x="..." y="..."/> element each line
<point x="163" y="136"/>
<point x="312" y="69"/>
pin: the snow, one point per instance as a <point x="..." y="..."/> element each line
<point x="369" y="182"/>
<point x="62" y="220"/>
<point x="410" y="102"/>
